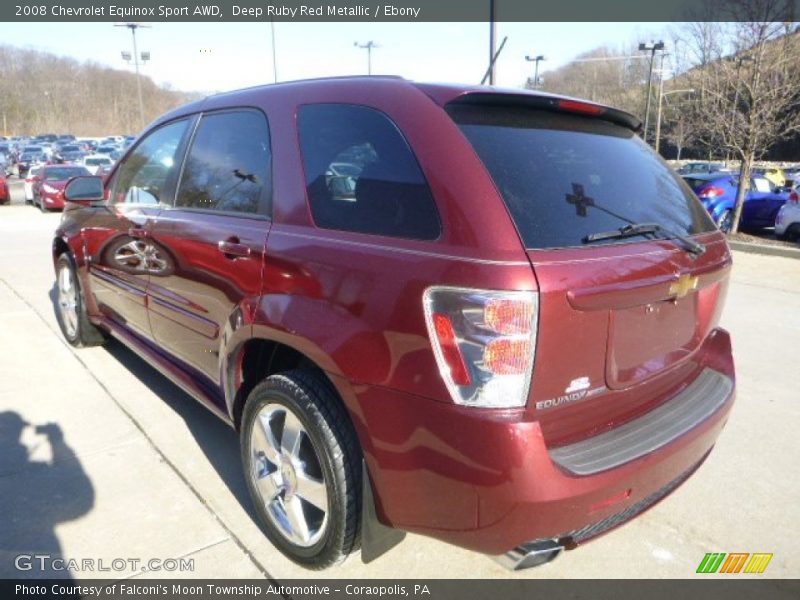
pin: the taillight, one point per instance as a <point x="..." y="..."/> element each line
<point x="484" y="343"/>
<point x="794" y="198"/>
<point x="710" y="192"/>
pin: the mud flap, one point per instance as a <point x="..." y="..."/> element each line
<point x="376" y="538"/>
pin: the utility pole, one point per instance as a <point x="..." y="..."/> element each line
<point x="493" y="61"/>
<point x="133" y="27"/>
<point x="368" y="47"/>
<point x="492" y="38"/>
<point x="650" y="47"/>
<point x="537" y="60"/>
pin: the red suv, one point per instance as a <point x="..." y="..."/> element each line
<point x="485" y="316"/>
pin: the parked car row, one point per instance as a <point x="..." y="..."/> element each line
<point x="770" y="190"/>
<point x="717" y="193"/>
<point x="18" y="154"/>
<point x="47" y="162"/>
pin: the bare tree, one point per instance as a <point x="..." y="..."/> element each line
<point x="606" y="75"/>
<point x="45" y="93"/>
<point x="750" y="96"/>
<point x="682" y="131"/>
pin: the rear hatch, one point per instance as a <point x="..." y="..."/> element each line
<point x="620" y="318"/>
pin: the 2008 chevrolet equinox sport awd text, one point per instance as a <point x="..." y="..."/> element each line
<point x="485" y="316"/>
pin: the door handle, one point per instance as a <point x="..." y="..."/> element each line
<point x="232" y="248"/>
<point x="138" y="232"/>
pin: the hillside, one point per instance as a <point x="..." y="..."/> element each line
<point x="45" y="93"/>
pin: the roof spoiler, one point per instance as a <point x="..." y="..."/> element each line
<point x="561" y="104"/>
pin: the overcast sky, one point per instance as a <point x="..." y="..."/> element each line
<point x="226" y="56"/>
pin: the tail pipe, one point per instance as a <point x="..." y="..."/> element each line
<point x="531" y="554"/>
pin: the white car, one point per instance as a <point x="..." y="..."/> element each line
<point x="32" y="173"/>
<point x="787" y="223"/>
<point x="93" y="162"/>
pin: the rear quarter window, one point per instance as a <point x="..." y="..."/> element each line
<point x="361" y="174"/>
<point x="564" y="177"/>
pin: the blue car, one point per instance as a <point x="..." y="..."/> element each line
<point x="717" y="192"/>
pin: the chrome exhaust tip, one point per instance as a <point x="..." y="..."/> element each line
<point x="531" y="554"/>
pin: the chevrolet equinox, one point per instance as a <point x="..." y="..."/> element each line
<point x="486" y="316"/>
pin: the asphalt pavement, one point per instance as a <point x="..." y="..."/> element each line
<point x="102" y="458"/>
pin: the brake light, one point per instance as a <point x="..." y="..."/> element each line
<point x="484" y="343"/>
<point x="794" y="198"/>
<point x="710" y="192"/>
<point x="580" y="107"/>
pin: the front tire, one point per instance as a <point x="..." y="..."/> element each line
<point x="70" y="308"/>
<point x="302" y="465"/>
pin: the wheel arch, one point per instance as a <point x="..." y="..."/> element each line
<point x="259" y="357"/>
<point x="59" y="247"/>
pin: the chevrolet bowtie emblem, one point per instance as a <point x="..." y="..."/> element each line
<point x="684" y="285"/>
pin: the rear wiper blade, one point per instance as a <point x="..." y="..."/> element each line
<point x="635" y="229"/>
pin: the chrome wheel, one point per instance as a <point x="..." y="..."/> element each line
<point x="68" y="301"/>
<point x="726" y="221"/>
<point x="287" y="474"/>
<point x="140" y="256"/>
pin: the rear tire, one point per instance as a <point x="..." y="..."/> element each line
<point x="306" y="488"/>
<point x="792" y="233"/>
<point x="70" y="308"/>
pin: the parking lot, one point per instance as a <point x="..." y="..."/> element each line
<point x="131" y="467"/>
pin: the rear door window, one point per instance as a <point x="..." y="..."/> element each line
<point x="564" y="177"/>
<point x="760" y="184"/>
<point x="361" y="174"/>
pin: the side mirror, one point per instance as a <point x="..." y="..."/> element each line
<point x="84" y="188"/>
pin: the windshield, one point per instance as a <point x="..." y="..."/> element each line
<point x="564" y="177"/>
<point x="95" y="162"/>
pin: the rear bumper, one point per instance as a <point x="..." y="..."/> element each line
<point x="487" y="481"/>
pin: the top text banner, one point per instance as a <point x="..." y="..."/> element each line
<point x="410" y="11"/>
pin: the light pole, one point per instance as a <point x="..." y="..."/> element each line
<point x="133" y="27"/>
<point x="274" y="54"/>
<point x="368" y="47"/>
<point x="649" y="47"/>
<point x="537" y="60"/>
<point x="661" y="96"/>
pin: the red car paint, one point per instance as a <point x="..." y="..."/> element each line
<point x="351" y="303"/>
<point x="49" y="193"/>
<point x="5" y="195"/>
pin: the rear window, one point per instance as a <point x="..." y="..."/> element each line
<point x="564" y="177"/>
<point x="62" y="174"/>
<point x="695" y="183"/>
